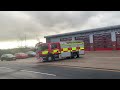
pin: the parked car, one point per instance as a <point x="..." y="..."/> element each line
<point x="8" y="57"/>
<point x="31" y="53"/>
<point x="21" y="55"/>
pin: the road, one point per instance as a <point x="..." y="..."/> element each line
<point x="24" y="70"/>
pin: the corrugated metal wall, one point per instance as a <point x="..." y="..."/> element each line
<point x="102" y="41"/>
<point x="118" y="40"/>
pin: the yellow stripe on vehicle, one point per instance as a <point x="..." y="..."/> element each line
<point x="65" y="49"/>
<point x="56" y="51"/>
<point x="69" y="50"/>
<point x="74" y="48"/>
<point x="45" y="52"/>
<point x="82" y="48"/>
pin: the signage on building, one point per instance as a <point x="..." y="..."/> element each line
<point x="66" y="39"/>
<point x="79" y="37"/>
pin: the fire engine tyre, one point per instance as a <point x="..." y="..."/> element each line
<point x="75" y="55"/>
<point x="50" y="58"/>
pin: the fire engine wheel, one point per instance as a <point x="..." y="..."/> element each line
<point x="75" y="55"/>
<point x="50" y="58"/>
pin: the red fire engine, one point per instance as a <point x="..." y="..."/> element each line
<point x="59" y="50"/>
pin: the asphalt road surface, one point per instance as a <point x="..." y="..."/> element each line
<point x="15" y="70"/>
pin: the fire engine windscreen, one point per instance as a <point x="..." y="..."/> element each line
<point x="42" y="47"/>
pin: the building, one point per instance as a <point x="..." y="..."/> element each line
<point x="106" y="38"/>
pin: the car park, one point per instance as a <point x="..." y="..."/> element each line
<point x="21" y="55"/>
<point x="31" y="53"/>
<point x="8" y="57"/>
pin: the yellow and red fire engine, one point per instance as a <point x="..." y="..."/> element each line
<point x="59" y="50"/>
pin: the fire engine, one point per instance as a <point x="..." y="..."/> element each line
<point x="59" y="50"/>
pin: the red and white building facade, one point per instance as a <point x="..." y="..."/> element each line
<point x="107" y="38"/>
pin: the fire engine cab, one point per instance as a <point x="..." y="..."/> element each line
<point x="59" y="50"/>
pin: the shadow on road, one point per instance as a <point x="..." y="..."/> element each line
<point x="60" y="60"/>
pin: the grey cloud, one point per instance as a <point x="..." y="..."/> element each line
<point x="53" y="18"/>
<point x="14" y="26"/>
<point x="59" y="21"/>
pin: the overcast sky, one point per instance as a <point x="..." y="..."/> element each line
<point x="15" y="24"/>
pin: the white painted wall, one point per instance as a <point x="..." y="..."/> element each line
<point x="91" y="38"/>
<point x="113" y="36"/>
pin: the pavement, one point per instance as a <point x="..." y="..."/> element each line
<point x="107" y="60"/>
<point x="92" y="65"/>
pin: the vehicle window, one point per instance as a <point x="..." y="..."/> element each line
<point x="43" y="47"/>
<point x="53" y="46"/>
<point x="9" y="55"/>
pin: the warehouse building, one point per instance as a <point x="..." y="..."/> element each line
<point x="106" y="38"/>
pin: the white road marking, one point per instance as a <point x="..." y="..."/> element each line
<point x="30" y="71"/>
<point x="6" y="68"/>
<point x="38" y="72"/>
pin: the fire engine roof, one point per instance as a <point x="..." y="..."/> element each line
<point x="85" y="31"/>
